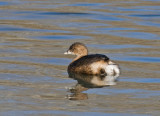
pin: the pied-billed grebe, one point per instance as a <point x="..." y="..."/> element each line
<point x="94" y="64"/>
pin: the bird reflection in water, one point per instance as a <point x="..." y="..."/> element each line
<point x="86" y="82"/>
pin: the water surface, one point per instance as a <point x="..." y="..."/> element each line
<point x="34" y="34"/>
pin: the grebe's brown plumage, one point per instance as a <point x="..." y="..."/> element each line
<point x="95" y="64"/>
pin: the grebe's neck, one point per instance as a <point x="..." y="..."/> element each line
<point x="78" y="57"/>
<point x="80" y="54"/>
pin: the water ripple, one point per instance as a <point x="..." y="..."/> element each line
<point x="34" y="34"/>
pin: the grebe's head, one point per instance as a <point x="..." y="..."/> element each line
<point x="78" y="49"/>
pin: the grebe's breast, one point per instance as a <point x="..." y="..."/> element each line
<point x="89" y="64"/>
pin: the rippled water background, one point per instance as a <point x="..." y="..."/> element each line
<point x="34" y="34"/>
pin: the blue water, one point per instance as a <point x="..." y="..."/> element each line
<point x="33" y="69"/>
